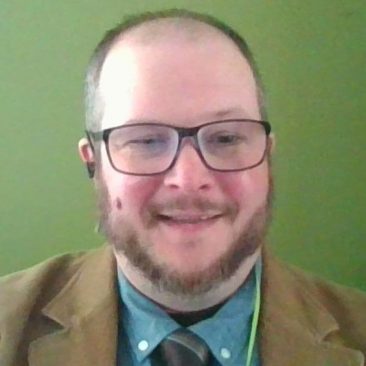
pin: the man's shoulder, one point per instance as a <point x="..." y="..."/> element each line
<point x="311" y="299"/>
<point x="48" y="269"/>
<point x="61" y="292"/>
<point x="36" y="285"/>
<point x="337" y="298"/>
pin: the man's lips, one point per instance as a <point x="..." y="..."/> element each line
<point x="186" y="211"/>
<point x="188" y="218"/>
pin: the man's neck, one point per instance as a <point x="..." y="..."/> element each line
<point x="186" y="303"/>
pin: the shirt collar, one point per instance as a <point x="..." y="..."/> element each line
<point x="229" y="328"/>
<point x="145" y="323"/>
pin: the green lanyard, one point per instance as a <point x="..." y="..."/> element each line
<point x="253" y="330"/>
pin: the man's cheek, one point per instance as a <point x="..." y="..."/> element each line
<point x="245" y="188"/>
<point x="235" y="186"/>
<point x="136" y="192"/>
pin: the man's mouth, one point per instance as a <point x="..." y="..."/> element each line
<point x="188" y="218"/>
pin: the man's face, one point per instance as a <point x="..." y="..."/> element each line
<point x="216" y="219"/>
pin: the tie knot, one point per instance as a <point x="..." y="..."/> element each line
<point x="183" y="347"/>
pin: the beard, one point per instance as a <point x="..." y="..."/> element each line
<point x="140" y="253"/>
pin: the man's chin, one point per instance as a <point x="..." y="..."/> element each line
<point x="172" y="275"/>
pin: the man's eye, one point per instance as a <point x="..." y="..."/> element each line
<point x="227" y="139"/>
<point x="146" y="141"/>
<point x="146" y="145"/>
<point x="139" y="144"/>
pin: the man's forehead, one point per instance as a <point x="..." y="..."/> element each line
<point x="167" y="69"/>
<point x="174" y="36"/>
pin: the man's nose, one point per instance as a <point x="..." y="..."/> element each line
<point x="189" y="173"/>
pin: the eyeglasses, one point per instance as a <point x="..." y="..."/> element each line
<point x="153" y="148"/>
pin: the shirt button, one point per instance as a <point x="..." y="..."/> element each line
<point x="143" y="345"/>
<point x="225" y="353"/>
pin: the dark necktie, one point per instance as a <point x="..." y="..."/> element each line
<point x="181" y="348"/>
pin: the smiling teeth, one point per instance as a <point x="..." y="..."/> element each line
<point x="188" y="219"/>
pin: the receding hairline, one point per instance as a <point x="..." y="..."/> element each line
<point x="168" y="29"/>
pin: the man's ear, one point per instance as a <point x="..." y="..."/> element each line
<point x="271" y="143"/>
<point x="87" y="156"/>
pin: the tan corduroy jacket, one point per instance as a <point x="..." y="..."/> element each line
<point x="63" y="312"/>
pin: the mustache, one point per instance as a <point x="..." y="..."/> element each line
<point x="192" y="203"/>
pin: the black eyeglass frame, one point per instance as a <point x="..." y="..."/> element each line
<point x="182" y="133"/>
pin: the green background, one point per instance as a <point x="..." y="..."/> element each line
<point x="312" y="56"/>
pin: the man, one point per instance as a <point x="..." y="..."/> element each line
<point x="179" y="151"/>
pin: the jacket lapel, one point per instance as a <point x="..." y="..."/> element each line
<point x="295" y="328"/>
<point x="79" y="325"/>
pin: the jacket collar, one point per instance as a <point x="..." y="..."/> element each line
<point x="80" y="322"/>
<point x="295" y="328"/>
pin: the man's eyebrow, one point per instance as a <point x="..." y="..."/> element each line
<point x="234" y="112"/>
<point x="135" y="121"/>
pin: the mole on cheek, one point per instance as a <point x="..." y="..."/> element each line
<point x="118" y="204"/>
